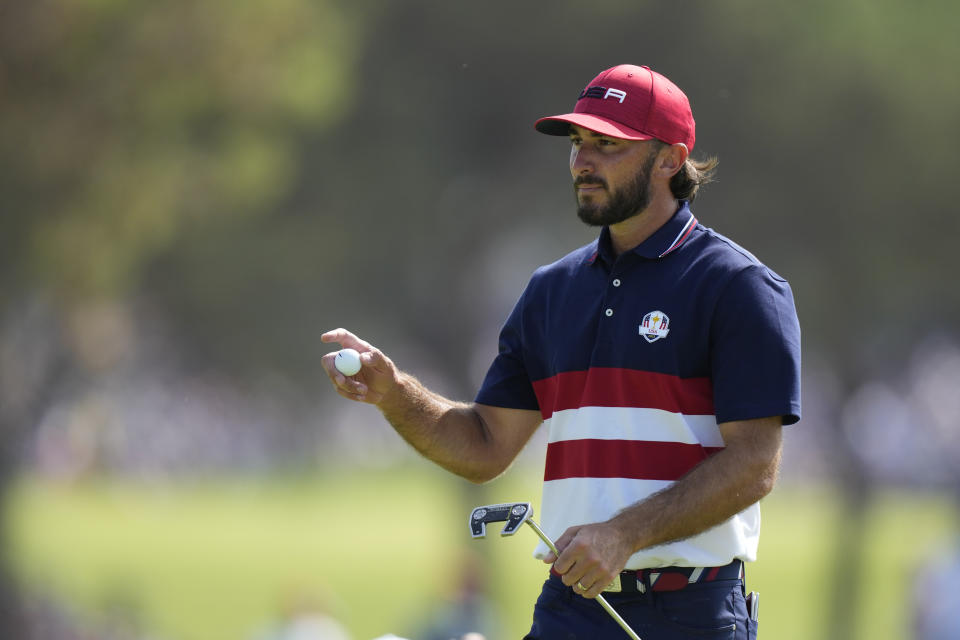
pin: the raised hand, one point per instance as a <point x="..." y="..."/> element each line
<point x="376" y="378"/>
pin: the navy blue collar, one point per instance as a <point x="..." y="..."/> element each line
<point x="664" y="240"/>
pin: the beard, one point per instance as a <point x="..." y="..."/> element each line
<point x="622" y="204"/>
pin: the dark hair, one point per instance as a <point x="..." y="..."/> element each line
<point x="686" y="182"/>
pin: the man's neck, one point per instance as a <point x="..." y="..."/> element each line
<point x="629" y="234"/>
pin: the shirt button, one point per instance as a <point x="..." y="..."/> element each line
<point x="616" y="282"/>
<point x="609" y="312"/>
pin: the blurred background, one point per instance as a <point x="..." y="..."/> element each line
<point x="192" y="192"/>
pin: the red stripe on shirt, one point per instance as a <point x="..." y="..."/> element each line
<point x="636" y="459"/>
<point x="614" y="387"/>
<point x="691" y="224"/>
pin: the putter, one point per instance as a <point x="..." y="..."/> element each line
<point x="515" y="514"/>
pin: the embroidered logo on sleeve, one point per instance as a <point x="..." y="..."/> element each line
<point x="655" y="325"/>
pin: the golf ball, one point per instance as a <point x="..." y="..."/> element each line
<point x="347" y="362"/>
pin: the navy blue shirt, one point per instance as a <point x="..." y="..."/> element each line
<point x="687" y="303"/>
<point x="634" y="361"/>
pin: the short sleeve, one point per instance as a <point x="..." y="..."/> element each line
<point x="755" y="349"/>
<point x="507" y="383"/>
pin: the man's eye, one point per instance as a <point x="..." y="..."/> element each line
<point x="603" y="142"/>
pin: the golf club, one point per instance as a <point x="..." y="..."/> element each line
<point x="515" y="514"/>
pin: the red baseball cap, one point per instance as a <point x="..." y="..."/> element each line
<point x="629" y="102"/>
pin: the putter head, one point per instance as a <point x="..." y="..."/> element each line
<point x="513" y="513"/>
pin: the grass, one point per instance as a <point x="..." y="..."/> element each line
<point x="220" y="559"/>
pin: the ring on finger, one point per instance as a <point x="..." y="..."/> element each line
<point x="581" y="587"/>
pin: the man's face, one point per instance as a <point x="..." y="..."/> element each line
<point x="611" y="176"/>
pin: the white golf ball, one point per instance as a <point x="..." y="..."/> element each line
<point x="347" y="362"/>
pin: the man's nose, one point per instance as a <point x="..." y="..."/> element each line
<point x="581" y="162"/>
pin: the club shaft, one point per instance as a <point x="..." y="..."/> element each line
<point x="603" y="601"/>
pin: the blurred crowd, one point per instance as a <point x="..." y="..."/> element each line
<point x="46" y="617"/>
<point x="153" y="414"/>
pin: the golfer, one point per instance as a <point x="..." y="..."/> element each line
<point x="663" y="359"/>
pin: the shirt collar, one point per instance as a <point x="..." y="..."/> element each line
<point x="664" y="240"/>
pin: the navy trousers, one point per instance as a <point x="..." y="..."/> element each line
<point x="703" y="611"/>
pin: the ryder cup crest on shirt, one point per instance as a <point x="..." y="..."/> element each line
<point x="655" y="325"/>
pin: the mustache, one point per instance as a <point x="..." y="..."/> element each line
<point x="589" y="180"/>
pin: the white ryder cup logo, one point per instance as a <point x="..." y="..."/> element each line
<point x="655" y="325"/>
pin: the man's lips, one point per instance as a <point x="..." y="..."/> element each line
<point x="589" y="187"/>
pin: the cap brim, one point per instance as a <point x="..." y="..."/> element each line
<point x="560" y="126"/>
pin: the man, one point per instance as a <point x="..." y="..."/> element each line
<point x="664" y="360"/>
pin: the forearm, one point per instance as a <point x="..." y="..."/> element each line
<point x="712" y="492"/>
<point x="475" y="441"/>
<point x="451" y="434"/>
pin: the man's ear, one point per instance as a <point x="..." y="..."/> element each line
<point x="672" y="158"/>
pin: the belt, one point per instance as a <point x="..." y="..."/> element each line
<point x="672" y="578"/>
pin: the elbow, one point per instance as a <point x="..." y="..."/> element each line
<point x="765" y="487"/>
<point x="485" y="474"/>
<point x="767" y="478"/>
<point x="490" y="461"/>
<point x="753" y="490"/>
<point x="756" y="482"/>
<point x="474" y="476"/>
<point x="486" y="468"/>
<point x="763" y="469"/>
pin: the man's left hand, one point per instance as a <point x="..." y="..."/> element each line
<point x="591" y="556"/>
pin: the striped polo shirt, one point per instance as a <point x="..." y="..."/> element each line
<point x="633" y="361"/>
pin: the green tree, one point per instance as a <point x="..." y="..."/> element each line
<point x="122" y="125"/>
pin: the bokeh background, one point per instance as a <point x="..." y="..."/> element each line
<point x="191" y="192"/>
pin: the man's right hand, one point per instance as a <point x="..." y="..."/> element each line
<point x="377" y="377"/>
